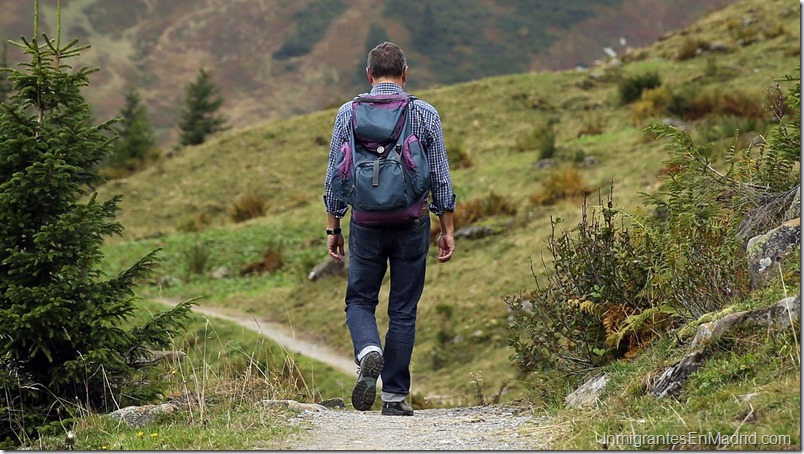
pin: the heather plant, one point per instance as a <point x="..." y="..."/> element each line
<point x="64" y="343"/>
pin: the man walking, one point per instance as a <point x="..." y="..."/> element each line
<point x="402" y="245"/>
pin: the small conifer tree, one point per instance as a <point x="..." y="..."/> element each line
<point x="63" y="344"/>
<point x="137" y="138"/>
<point x="199" y="117"/>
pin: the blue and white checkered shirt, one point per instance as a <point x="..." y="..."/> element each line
<point x="426" y="125"/>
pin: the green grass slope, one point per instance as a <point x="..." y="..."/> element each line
<point x="461" y="350"/>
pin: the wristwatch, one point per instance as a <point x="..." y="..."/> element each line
<point x="334" y="232"/>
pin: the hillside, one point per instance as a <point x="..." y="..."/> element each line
<point x="275" y="59"/>
<point x="183" y="204"/>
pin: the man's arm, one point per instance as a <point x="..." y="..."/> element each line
<point x="335" y="242"/>
<point x="446" y="242"/>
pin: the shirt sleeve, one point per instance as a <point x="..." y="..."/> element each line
<point x="339" y="135"/>
<point x="440" y="178"/>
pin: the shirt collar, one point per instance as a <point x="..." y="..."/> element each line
<point x="386" y="88"/>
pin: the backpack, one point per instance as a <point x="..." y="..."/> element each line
<point x="382" y="170"/>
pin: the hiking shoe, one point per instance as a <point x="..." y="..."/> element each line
<point x="366" y="386"/>
<point x="397" y="408"/>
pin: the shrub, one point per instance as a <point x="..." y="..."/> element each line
<point x="458" y="156"/>
<point x="540" y="138"/>
<point x="689" y="48"/>
<point x="559" y="185"/>
<point x="248" y="206"/>
<point x="272" y="259"/>
<point x="631" y="88"/>
<point x="594" y="307"/>
<point x="652" y="103"/>
<point x="197" y="258"/>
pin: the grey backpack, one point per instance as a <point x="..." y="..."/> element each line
<point x="382" y="171"/>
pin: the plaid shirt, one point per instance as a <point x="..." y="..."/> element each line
<point x="426" y="126"/>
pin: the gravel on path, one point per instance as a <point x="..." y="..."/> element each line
<point x="484" y="428"/>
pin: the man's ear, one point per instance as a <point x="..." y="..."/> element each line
<point x="404" y="75"/>
<point x="368" y="75"/>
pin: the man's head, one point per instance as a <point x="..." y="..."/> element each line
<point x="386" y="63"/>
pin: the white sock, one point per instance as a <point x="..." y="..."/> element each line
<point x="391" y="397"/>
<point x="366" y="350"/>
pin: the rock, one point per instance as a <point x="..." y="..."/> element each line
<point x="544" y="164"/>
<point x="220" y="273"/>
<point x="779" y="315"/>
<point x="329" y="268"/>
<point x="766" y="250"/>
<point x="671" y="381"/>
<point x="678" y="124"/>
<point x="292" y="405"/>
<point x="136" y="416"/>
<point x="795" y="207"/>
<point x="335" y="402"/>
<point x="587" y="394"/>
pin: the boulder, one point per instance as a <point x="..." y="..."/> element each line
<point x="778" y="316"/>
<point x="764" y="251"/>
<point x="588" y="393"/>
<point x="292" y="405"/>
<point x="328" y="268"/>
<point x="137" y="416"/>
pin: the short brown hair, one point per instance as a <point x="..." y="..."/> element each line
<point x="386" y="60"/>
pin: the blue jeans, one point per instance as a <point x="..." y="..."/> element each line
<point x="371" y="250"/>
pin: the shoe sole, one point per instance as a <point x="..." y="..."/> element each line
<point x="365" y="391"/>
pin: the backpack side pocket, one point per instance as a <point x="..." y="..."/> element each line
<point x="343" y="181"/>
<point x="416" y="166"/>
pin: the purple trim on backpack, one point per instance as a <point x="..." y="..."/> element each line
<point x="382" y="102"/>
<point x="406" y="158"/>
<point x="389" y="217"/>
<point x="346" y="165"/>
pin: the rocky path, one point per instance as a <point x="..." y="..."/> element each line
<point x="452" y="429"/>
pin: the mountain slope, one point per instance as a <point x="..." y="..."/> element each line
<point x="278" y="58"/>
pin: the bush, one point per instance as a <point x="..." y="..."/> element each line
<point x="631" y="88"/>
<point x="541" y="138"/>
<point x="594" y="307"/>
<point x="458" y="156"/>
<point x="248" y="206"/>
<point x="560" y="184"/>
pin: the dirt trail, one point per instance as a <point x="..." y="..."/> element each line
<point x="279" y="333"/>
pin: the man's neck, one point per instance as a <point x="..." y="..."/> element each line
<point x="394" y="80"/>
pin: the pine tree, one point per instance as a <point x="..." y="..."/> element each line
<point x="199" y="117"/>
<point x="137" y="138"/>
<point x="62" y="341"/>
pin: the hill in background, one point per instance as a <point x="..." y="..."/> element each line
<point x="275" y="59"/>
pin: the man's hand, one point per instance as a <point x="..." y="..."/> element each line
<point x="446" y="247"/>
<point x="335" y="246"/>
